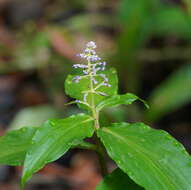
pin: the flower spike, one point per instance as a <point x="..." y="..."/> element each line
<point x="92" y="69"/>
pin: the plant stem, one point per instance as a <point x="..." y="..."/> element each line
<point x="101" y="153"/>
<point x="95" y="114"/>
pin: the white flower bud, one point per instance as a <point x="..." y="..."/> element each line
<point x="92" y="70"/>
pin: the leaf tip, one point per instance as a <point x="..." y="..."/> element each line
<point x="145" y="103"/>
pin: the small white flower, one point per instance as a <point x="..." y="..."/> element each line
<point x="85" y="97"/>
<point x="91" y="44"/>
<point x="104" y="77"/>
<point x="94" y="81"/>
<point x="77" y="79"/>
<point x="80" y="66"/>
<point x="92" y="69"/>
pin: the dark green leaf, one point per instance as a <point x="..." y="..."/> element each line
<point x="171" y="94"/>
<point x="172" y="20"/>
<point x="76" y="90"/>
<point x="118" y="100"/>
<point x="135" y="18"/>
<point x="14" y="145"/>
<point x="53" y="139"/>
<point x="118" y="180"/>
<point x="82" y="144"/>
<point x="152" y="158"/>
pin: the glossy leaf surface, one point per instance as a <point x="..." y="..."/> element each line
<point x="152" y="158"/>
<point x="14" y="145"/>
<point x="118" y="180"/>
<point x="53" y="139"/>
<point x="76" y="90"/>
<point x="118" y="100"/>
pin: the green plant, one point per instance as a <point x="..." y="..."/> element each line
<point x="141" y="20"/>
<point x="147" y="158"/>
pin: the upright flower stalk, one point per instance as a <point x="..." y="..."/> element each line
<point x="93" y="70"/>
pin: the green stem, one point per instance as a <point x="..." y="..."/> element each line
<point x="95" y="114"/>
<point x="101" y="156"/>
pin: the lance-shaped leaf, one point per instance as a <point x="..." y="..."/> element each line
<point x="171" y="94"/>
<point x="172" y="20"/>
<point x="118" y="180"/>
<point x="53" y="139"/>
<point x="152" y="158"/>
<point x="14" y="145"/>
<point x="116" y="100"/>
<point x="76" y="90"/>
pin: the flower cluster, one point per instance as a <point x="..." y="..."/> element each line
<point x="92" y="69"/>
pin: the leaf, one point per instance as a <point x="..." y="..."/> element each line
<point x="118" y="180"/>
<point x="53" y="139"/>
<point x="172" y="20"/>
<point x="14" y="145"/>
<point x="33" y="116"/>
<point x="83" y="144"/>
<point x="116" y="100"/>
<point x="76" y="90"/>
<point x="135" y="19"/>
<point x="30" y="51"/>
<point x="152" y="158"/>
<point x="171" y="94"/>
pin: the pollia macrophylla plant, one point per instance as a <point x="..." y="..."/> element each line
<point x="146" y="158"/>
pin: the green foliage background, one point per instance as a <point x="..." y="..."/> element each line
<point x="148" y="41"/>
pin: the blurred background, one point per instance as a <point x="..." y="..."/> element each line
<point x="148" y="41"/>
